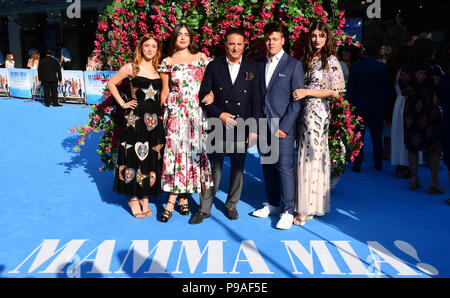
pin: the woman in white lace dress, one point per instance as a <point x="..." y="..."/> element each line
<point x="323" y="79"/>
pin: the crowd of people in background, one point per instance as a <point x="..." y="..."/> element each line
<point x="403" y="96"/>
<point x="94" y="62"/>
<point x="34" y="54"/>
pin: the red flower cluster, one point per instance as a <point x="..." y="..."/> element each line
<point x="343" y="142"/>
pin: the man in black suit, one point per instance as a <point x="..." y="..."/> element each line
<point x="234" y="83"/>
<point x="368" y="91"/>
<point x="49" y="73"/>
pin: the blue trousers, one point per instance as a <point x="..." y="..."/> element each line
<point x="279" y="177"/>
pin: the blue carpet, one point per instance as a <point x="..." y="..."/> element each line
<point x="60" y="218"/>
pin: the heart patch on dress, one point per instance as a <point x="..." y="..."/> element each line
<point x="151" y="121"/>
<point x="152" y="178"/>
<point x="141" y="150"/>
<point x="129" y="175"/>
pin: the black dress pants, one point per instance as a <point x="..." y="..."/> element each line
<point x="374" y="121"/>
<point x="50" y="93"/>
<point x="237" y="161"/>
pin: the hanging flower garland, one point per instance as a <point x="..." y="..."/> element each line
<point x="125" y="21"/>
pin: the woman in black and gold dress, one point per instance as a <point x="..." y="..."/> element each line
<point x="141" y="143"/>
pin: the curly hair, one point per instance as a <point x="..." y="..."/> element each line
<point x="328" y="49"/>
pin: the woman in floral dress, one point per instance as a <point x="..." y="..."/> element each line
<point x="421" y="116"/>
<point x="186" y="168"/>
<point x="324" y="79"/>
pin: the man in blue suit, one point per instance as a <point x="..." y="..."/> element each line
<point x="234" y="83"/>
<point x="281" y="76"/>
<point x="368" y="91"/>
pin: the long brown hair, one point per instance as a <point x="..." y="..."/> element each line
<point x="193" y="47"/>
<point x="326" y="51"/>
<point x="35" y="56"/>
<point x="138" y="56"/>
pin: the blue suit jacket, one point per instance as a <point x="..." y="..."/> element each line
<point x="368" y="86"/>
<point x="241" y="99"/>
<point x="277" y="98"/>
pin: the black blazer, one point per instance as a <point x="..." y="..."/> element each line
<point x="368" y="86"/>
<point x="241" y="99"/>
<point x="49" y="70"/>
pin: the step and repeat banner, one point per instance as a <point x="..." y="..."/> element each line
<point x="84" y="87"/>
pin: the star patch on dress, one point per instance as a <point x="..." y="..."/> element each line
<point x="158" y="148"/>
<point x="131" y="119"/>
<point x="140" y="177"/>
<point x="151" y="120"/>
<point x="150" y="93"/>
<point x="126" y="147"/>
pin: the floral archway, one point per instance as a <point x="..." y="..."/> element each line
<point x="125" y="21"/>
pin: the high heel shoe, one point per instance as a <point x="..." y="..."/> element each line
<point x="184" y="208"/>
<point x="147" y="213"/>
<point x="299" y="221"/>
<point x="435" y="190"/>
<point x="166" y="214"/>
<point x="404" y="171"/>
<point x="414" y="185"/>
<point x="136" y="215"/>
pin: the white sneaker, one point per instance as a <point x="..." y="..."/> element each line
<point x="285" y="222"/>
<point x="266" y="210"/>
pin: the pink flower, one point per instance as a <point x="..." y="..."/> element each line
<point x="102" y="26"/>
<point x="197" y="74"/>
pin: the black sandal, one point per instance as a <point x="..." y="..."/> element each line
<point x="166" y="214"/>
<point x="184" y="208"/>
<point x="404" y="171"/>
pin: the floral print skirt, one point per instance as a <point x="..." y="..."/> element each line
<point x="186" y="168"/>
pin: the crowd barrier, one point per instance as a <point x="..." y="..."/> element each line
<point x="83" y="87"/>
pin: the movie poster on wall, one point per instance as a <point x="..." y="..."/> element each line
<point x="4" y="82"/>
<point x="95" y="84"/>
<point x="20" y="82"/>
<point x="72" y="87"/>
<point x="37" y="89"/>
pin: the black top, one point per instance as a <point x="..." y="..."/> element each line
<point x="49" y="69"/>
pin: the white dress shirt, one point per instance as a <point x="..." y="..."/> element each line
<point x="234" y="69"/>
<point x="271" y="65"/>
